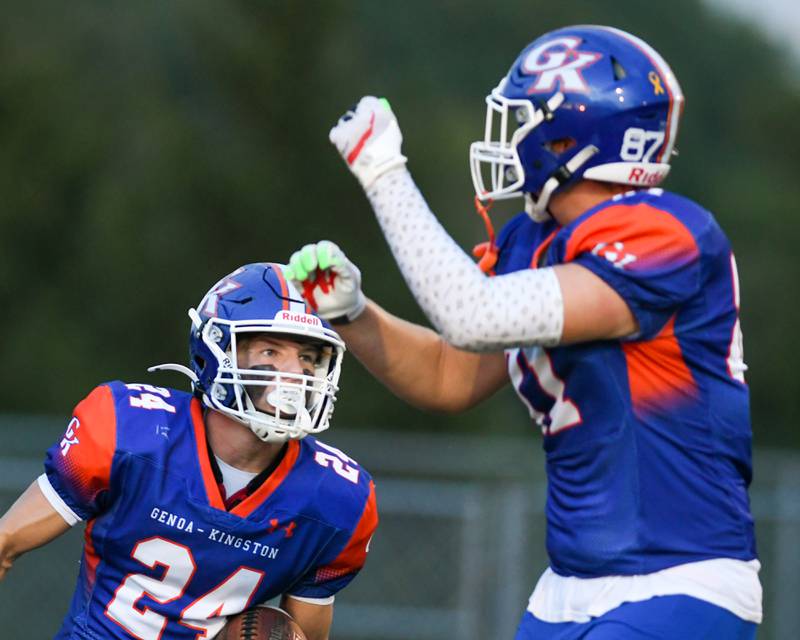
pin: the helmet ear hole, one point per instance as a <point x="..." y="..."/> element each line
<point x="560" y="145"/>
<point x="618" y="69"/>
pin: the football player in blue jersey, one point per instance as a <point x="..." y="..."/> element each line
<point x="611" y="306"/>
<point x="201" y="505"/>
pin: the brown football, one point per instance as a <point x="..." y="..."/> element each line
<point x="261" y="623"/>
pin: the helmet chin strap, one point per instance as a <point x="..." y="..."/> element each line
<point x="175" y="367"/>
<point x="197" y="322"/>
<point x="537" y="209"/>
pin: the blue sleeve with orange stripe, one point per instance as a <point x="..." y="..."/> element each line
<point x="644" y="253"/>
<point x="78" y="467"/>
<point x="349" y="550"/>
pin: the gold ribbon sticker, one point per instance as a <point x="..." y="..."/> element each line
<point x="655" y="80"/>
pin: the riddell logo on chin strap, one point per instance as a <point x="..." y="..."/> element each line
<point x="302" y="318"/>
<point x="639" y="175"/>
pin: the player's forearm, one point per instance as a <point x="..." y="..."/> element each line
<point x="314" y="620"/>
<point x="414" y="362"/>
<point x="29" y="523"/>
<point x="6" y="558"/>
<point x="400" y="354"/>
<point x="471" y="311"/>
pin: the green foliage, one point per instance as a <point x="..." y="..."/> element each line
<point x="149" y="148"/>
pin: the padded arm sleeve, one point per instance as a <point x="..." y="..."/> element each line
<point x="470" y="310"/>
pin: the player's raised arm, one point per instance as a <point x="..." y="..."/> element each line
<point x="544" y="306"/>
<point x="416" y="363"/>
<point x="30" y="523"/>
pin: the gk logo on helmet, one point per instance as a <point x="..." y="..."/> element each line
<point x="208" y="306"/>
<point x="559" y="66"/>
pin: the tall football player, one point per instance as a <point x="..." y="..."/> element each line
<point x="201" y="505"/>
<point x="613" y="311"/>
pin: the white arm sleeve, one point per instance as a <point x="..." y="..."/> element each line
<point x="470" y="310"/>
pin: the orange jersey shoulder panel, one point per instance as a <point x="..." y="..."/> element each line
<point x="645" y="232"/>
<point x="89" y="445"/>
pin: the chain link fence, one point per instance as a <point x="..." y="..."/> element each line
<point x="458" y="550"/>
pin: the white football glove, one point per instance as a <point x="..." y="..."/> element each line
<point x="369" y="139"/>
<point x="330" y="283"/>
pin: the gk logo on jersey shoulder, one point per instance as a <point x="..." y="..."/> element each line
<point x="614" y="253"/>
<point x="70" y="438"/>
<point x="559" y="66"/>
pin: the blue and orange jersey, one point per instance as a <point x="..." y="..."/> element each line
<point x="163" y="558"/>
<point x="647" y="439"/>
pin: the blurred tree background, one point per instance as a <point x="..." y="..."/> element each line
<point x="148" y="148"/>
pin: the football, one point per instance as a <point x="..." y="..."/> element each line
<point x="261" y="623"/>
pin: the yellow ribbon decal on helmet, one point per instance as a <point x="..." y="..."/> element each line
<point x="655" y="80"/>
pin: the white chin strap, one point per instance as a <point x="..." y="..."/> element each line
<point x="537" y="209"/>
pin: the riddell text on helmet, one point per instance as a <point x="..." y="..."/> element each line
<point x="640" y="176"/>
<point x="302" y="318"/>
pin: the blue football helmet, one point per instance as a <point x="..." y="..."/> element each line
<point x="255" y="299"/>
<point x="582" y="102"/>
